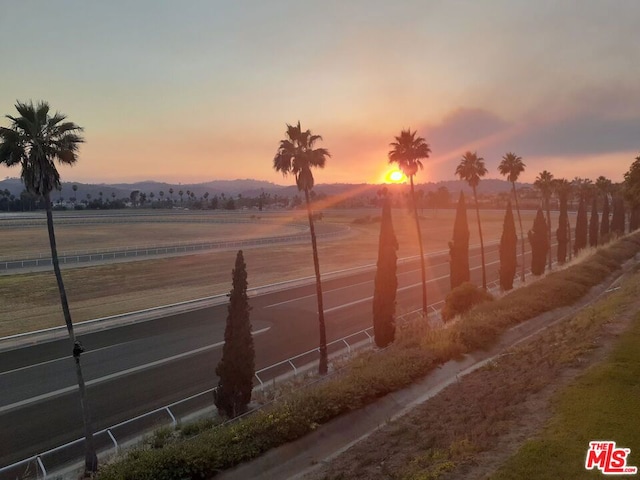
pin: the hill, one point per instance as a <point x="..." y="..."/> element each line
<point x="246" y="188"/>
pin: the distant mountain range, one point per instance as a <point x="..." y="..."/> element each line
<point x="246" y="188"/>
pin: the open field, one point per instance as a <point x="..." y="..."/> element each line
<point x="31" y="300"/>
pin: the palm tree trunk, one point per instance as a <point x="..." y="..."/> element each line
<point x="515" y="196"/>
<point x="422" y="267"/>
<point x="91" y="459"/>
<point x="549" y="231"/>
<point x="323" y="366"/>
<point x="484" y="268"/>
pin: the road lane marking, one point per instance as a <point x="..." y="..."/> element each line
<point x="111" y="376"/>
<point x="348" y="286"/>
<point x="26" y="367"/>
<point x="408" y="287"/>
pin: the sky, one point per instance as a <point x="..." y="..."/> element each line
<point x="202" y="90"/>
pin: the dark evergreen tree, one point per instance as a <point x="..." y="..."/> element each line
<point x="634" y="218"/>
<point x="459" y="247"/>
<point x="594" y="224"/>
<point x="581" y="228"/>
<point x="508" y="251"/>
<point x="563" y="225"/>
<point x="237" y="365"/>
<point x="604" y="223"/>
<point x="386" y="281"/>
<point x="617" y="219"/>
<point x="539" y="244"/>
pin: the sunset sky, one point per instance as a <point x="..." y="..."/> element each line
<point x="202" y="90"/>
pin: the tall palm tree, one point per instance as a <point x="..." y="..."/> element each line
<point x="296" y="155"/>
<point x="544" y="183"/>
<point x="471" y="169"/>
<point x="511" y="167"/>
<point x="407" y="151"/>
<point x="35" y="140"/>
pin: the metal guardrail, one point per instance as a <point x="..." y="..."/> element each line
<point x="112" y="439"/>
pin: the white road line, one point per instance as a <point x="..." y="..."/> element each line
<point x="351" y="285"/>
<point x="68" y="357"/>
<point x="111" y="376"/>
<point x="408" y="287"/>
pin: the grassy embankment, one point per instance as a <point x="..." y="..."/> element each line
<point x="369" y="377"/>
<point x="31" y="300"/>
<point x="603" y="404"/>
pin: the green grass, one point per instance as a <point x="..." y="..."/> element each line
<point x="603" y="404"/>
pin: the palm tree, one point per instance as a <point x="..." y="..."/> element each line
<point x="511" y="167"/>
<point x="471" y="169"/>
<point x="34" y="141"/>
<point x="75" y="189"/>
<point x="407" y="151"/>
<point x="181" y="193"/>
<point x="296" y="155"/>
<point x="171" y="194"/>
<point x="544" y="183"/>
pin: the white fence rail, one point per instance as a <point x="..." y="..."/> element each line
<point x="133" y="252"/>
<point x="111" y="440"/>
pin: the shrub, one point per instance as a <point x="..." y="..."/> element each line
<point x="462" y="298"/>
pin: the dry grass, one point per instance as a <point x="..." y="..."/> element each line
<point x="31" y="301"/>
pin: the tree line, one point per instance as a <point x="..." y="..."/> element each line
<point x="37" y="139"/>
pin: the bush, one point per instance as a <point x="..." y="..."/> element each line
<point x="462" y="298"/>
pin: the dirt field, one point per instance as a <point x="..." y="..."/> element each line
<point x="31" y="301"/>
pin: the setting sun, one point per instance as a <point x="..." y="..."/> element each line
<point x="394" y="176"/>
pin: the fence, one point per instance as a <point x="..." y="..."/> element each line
<point x="66" y="459"/>
<point x="133" y="252"/>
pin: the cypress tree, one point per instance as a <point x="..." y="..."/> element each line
<point x="539" y="244"/>
<point x="580" y="241"/>
<point x="508" y="248"/>
<point x="617" y="219"/>
<point x="593" y="224"/>
<point x="563" y="228"/>
<point x="634" y="218"/>
<point x="604" y="223"/>
<point x="237" y="365"/>
<point x="459" y="247"/>
<point x="386" y="281"/>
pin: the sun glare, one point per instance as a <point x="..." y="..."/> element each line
<point x="394" y="176"/>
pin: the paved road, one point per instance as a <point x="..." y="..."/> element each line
<point x="133" y="369"/>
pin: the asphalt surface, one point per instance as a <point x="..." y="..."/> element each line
<point x="136" y="368"/>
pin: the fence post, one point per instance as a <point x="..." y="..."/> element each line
<point x="173" y="419"/>
<point x="295" y="370"/>
<point x="113" y="439"/>
<point x="41" y="465"/>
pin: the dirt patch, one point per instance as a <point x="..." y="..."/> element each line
<point x="473" y="426"/>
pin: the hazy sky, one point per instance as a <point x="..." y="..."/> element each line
<point x="189" y="91"/>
